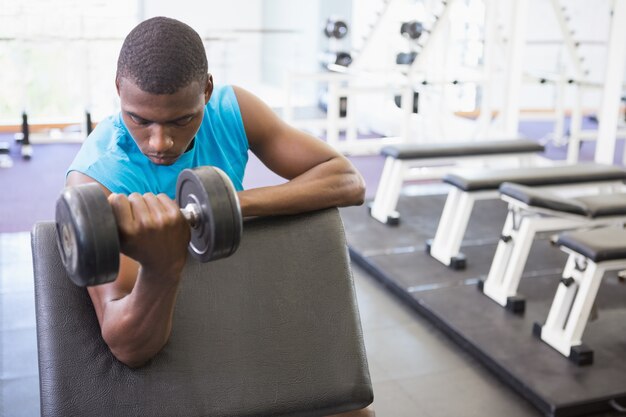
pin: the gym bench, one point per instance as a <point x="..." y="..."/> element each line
<point x="251" y="336"/>
<point x="404" y="159"/>
<point x="474" y="185"/>
<point x="591" y="254"/>
<point x="532" y="211"/>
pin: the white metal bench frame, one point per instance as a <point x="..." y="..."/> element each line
<point x="396" y="171"/>
<point x="520" y="228"/>
<point x="446" y="245"/>
<point x="572" y="304"/>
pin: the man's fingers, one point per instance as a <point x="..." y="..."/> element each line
<point x="121" y="207"/>
<point x="148" y="210"/>
<point x="162" y="207"/>
<point x="169" y="204"/>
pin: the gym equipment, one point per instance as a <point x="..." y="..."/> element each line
<point x="88" y="123"/>
<point x="270" y="331"/>
<point x="532" y="211"/>
<point x="342" y="107"/>
<point x="23" y="138"/>
<point x="467" y="187"/>
<point x="397" y="99"/>
<point x="501" y="342"/>
<point x="591" y="254"/>
<point x="402" y="158"/>
<point x="335" y="58"/>
<point x="87" y="234"/>
<point x="412" y="29"/>
<point x="5" y="158"/>
<point x="335" y="28"/>
<point x="406" y="58"/>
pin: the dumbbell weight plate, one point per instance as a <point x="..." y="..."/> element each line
<point x="406" y="58"/>
<point x="218" y="231"/>
<point x="412" y="30"/>
<point x="87" y="235"/>
<point x="336" y="29"/>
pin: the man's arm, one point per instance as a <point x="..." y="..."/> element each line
<point x="135" y="311"/>
<point x="319" y="176"/>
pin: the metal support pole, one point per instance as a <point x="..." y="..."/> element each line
<point x="570" y="44"/>
<point x="486" y="99"/>
<point x="575" y="126"/>
<point x="514" y="73"/>
<point x="615" y="64"/>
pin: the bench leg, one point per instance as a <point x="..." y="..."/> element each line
<point x="494" y="287"/>
<point x="512" y="254"/>
<point x="384" y="206"/>
<point x="570" y="309"/>
<point x="446" y="245"/>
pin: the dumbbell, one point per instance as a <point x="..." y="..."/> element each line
<point x="406" y="58"/>
<point x="87" y="234"/>
<point x="335" y="29"/>
<point x="412" y="30"/>
<point x="335" y="58"/>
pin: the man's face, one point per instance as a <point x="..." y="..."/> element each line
<point x="163" y="125"/>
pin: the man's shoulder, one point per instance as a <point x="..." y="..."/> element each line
<point x="111" y="126"/>
<point x="105" y="144"/>
<point x="222" y="95"/>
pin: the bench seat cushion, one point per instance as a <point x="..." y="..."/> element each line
<point x="593" y="206"/>
<point x="456" y="149"/>
<point x="271" y="331"/>
<point x="491" y="179"/>
<point x="605" y="244"/>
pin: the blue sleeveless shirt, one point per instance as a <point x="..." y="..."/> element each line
<point x="110" y="155"/>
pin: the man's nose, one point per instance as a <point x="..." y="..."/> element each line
<point x="160" y="140"/>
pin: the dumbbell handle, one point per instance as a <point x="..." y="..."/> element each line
<point x="191" y="212"/>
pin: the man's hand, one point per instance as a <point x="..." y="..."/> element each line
<point x="152" y="230"/>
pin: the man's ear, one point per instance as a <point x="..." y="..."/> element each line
<point x="117" y="85"/>
<point x="208" y="89"/>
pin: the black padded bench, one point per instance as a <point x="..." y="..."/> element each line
<point x="401" y="160"/>
<point x="481" y="180"/>
<point x="591" y="206"/>
<point x="534" y="210"/>
<point x="592" y="253"/>
<point x="455" y="149"/>
<point x="273" y="330"/>
<point x="472" y="185"/>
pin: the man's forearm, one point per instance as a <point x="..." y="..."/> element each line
<point x="334" y="183"/>
<point x="137" y="326"/>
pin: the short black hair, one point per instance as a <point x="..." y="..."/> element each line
<point x="162" y="55"/>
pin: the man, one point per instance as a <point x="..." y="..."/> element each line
<point x="174" y="117"/>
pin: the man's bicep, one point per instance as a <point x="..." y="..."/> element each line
<point x="291" y="152"/>
<point x="123" y="285"/>
<point x="76" y="178"/>
<point x="283" y="149"/>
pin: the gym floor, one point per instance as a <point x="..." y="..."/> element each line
<point x="416" y="370"/>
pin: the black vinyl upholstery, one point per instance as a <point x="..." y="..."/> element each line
<point x="605" y="244"/>
<point x="452" y="149"/>
<point x="491" y="179"/>
<point x="273" y="330"/>
<point x="592" y="206"/>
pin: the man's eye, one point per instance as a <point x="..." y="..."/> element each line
<point x="138" y="120"/>
<point x="184" y="121"/>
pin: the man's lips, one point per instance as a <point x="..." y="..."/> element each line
<point x="161" y="159"/>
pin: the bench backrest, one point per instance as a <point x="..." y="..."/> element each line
<point x="273" y="330"/>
